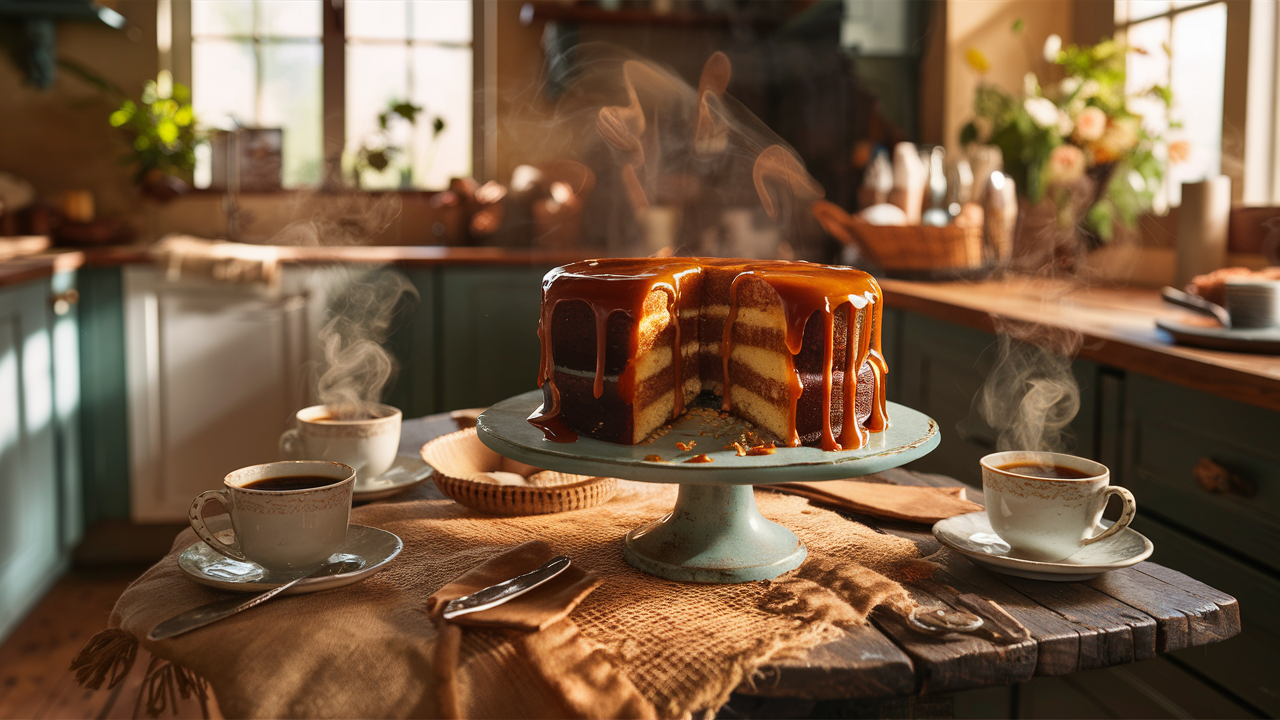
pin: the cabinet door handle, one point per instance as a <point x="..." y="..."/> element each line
<point x="1214" y="478"/>
<point x="63" y="301"/>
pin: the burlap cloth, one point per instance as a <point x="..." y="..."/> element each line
<point x="367" y="650"/>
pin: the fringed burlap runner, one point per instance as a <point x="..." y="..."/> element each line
<point x="368" y="650"/>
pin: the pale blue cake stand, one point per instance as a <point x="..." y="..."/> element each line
<point x="715" y="534"/>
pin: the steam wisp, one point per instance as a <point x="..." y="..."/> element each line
<point x="678" y="165"/>
<point x="1031" y="395"/>
<point x="357" y="367"/>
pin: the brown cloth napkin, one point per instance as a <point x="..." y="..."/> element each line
<point x="895" y="502"/>
<point x="537" y="610"/>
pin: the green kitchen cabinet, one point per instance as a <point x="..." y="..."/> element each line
<point x="414" y="343"/>
<point x="939" y="369"/>
<point x="39" y="456"/>
<point x="488" y="334"/>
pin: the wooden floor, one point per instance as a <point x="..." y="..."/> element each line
<point x="35" y="680"/>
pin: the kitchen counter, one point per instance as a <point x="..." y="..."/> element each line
<point x="1117" y="324"/>
<point x="46" y="264"/>
<point x="35" y="267"/>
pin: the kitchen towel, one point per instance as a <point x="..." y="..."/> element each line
<point x="369" y="650"/>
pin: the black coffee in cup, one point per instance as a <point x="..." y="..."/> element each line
<point x="290" y="482"/>
<point x="1049" y="472"/>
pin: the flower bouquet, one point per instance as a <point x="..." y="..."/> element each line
<point x="1076" y="148"/>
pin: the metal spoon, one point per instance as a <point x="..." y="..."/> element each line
<point x="219" y="609"/>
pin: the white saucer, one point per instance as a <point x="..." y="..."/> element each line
<point x="373" y="547"/>
<point x="405" y="472"/>
<point x="971" y="535"/>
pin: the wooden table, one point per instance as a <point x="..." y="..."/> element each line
<point x="1120" y="617"/>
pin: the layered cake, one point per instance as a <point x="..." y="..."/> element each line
<point x="629" y="344"/>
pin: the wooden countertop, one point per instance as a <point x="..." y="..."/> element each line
<point x="35" y="267"/>
<point x="43" y="265"/>
<point x="1117" y="324"/>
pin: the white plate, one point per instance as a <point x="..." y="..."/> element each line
<point x="374" y="547"/>
<point x="404" y="473"/>
<point x="971" y="535"/>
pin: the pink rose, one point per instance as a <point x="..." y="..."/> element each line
<point x="1090" y="124"/>
<point x="1066" y="165"/>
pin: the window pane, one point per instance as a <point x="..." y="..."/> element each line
<point x="441" y="20"/>
<point x="1130" y="10"/>
<point x="222" y="80"/>
<point x="291" y="99"/>
<point x="442" y="85"/>
<point x="221" y="17"/>
<point x="1146" y="67"/>
<point x="1199" y="61"/>
<point x="290" y="18"/>
<point x="376" y="75"/>
<point x="376" y="19"/>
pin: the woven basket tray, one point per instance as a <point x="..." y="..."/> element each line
<point x="920" y="247"/>
<point x="908" y="247"/>
<point x="457" y="456"/>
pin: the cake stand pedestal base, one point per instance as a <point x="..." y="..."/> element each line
<point x="715" y="534"/>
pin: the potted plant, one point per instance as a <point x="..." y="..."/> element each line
<point x="1084" y="160"/>
<point x="379" y="150"/>
<point x="163" y="136"/>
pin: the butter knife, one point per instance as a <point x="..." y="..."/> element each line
<point x="210" y="613"/>
<point x="495" y="595"/>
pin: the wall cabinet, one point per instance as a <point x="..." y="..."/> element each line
<point x="1151" y="435"/>
<point x="39" y="464"/>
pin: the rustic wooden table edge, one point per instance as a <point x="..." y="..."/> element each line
<point x="1119" y="617"/>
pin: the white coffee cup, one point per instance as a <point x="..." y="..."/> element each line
<point x="369" y="445"/>
<point x="1049" y="519"/>
<point x="281" y="530"/>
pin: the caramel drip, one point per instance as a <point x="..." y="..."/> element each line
<point x="879" y="418"/>
<point x="828" y="438"/>
<point x="703" y="458"/>
<point x="609" y="286"/>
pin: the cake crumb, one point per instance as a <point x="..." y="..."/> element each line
<point x="737" y="446"/>
<point x="653" y="458"/>
<point x="687" y="446"/>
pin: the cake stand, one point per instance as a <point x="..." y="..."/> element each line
<point x="715" y="534"/>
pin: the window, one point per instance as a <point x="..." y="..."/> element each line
<point x="1182" y="44"/>
<point x="262" y="63"/>
<point x="419" y="51"/>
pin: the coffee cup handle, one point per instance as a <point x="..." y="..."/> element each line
<point x="197" y="523"/>
<point x="289" y="445"/>
<point x="1127" y="513"/>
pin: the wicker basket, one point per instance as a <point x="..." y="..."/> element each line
<point x="906" y="247"/>
<point x="920" y="247"/>
<point x="457" y="456"/>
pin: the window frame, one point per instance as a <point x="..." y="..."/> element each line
<point x="1250" y="139"/>
<point x="176" y="59"/>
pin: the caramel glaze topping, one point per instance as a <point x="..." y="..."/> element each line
<point x="621" y="285"/>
